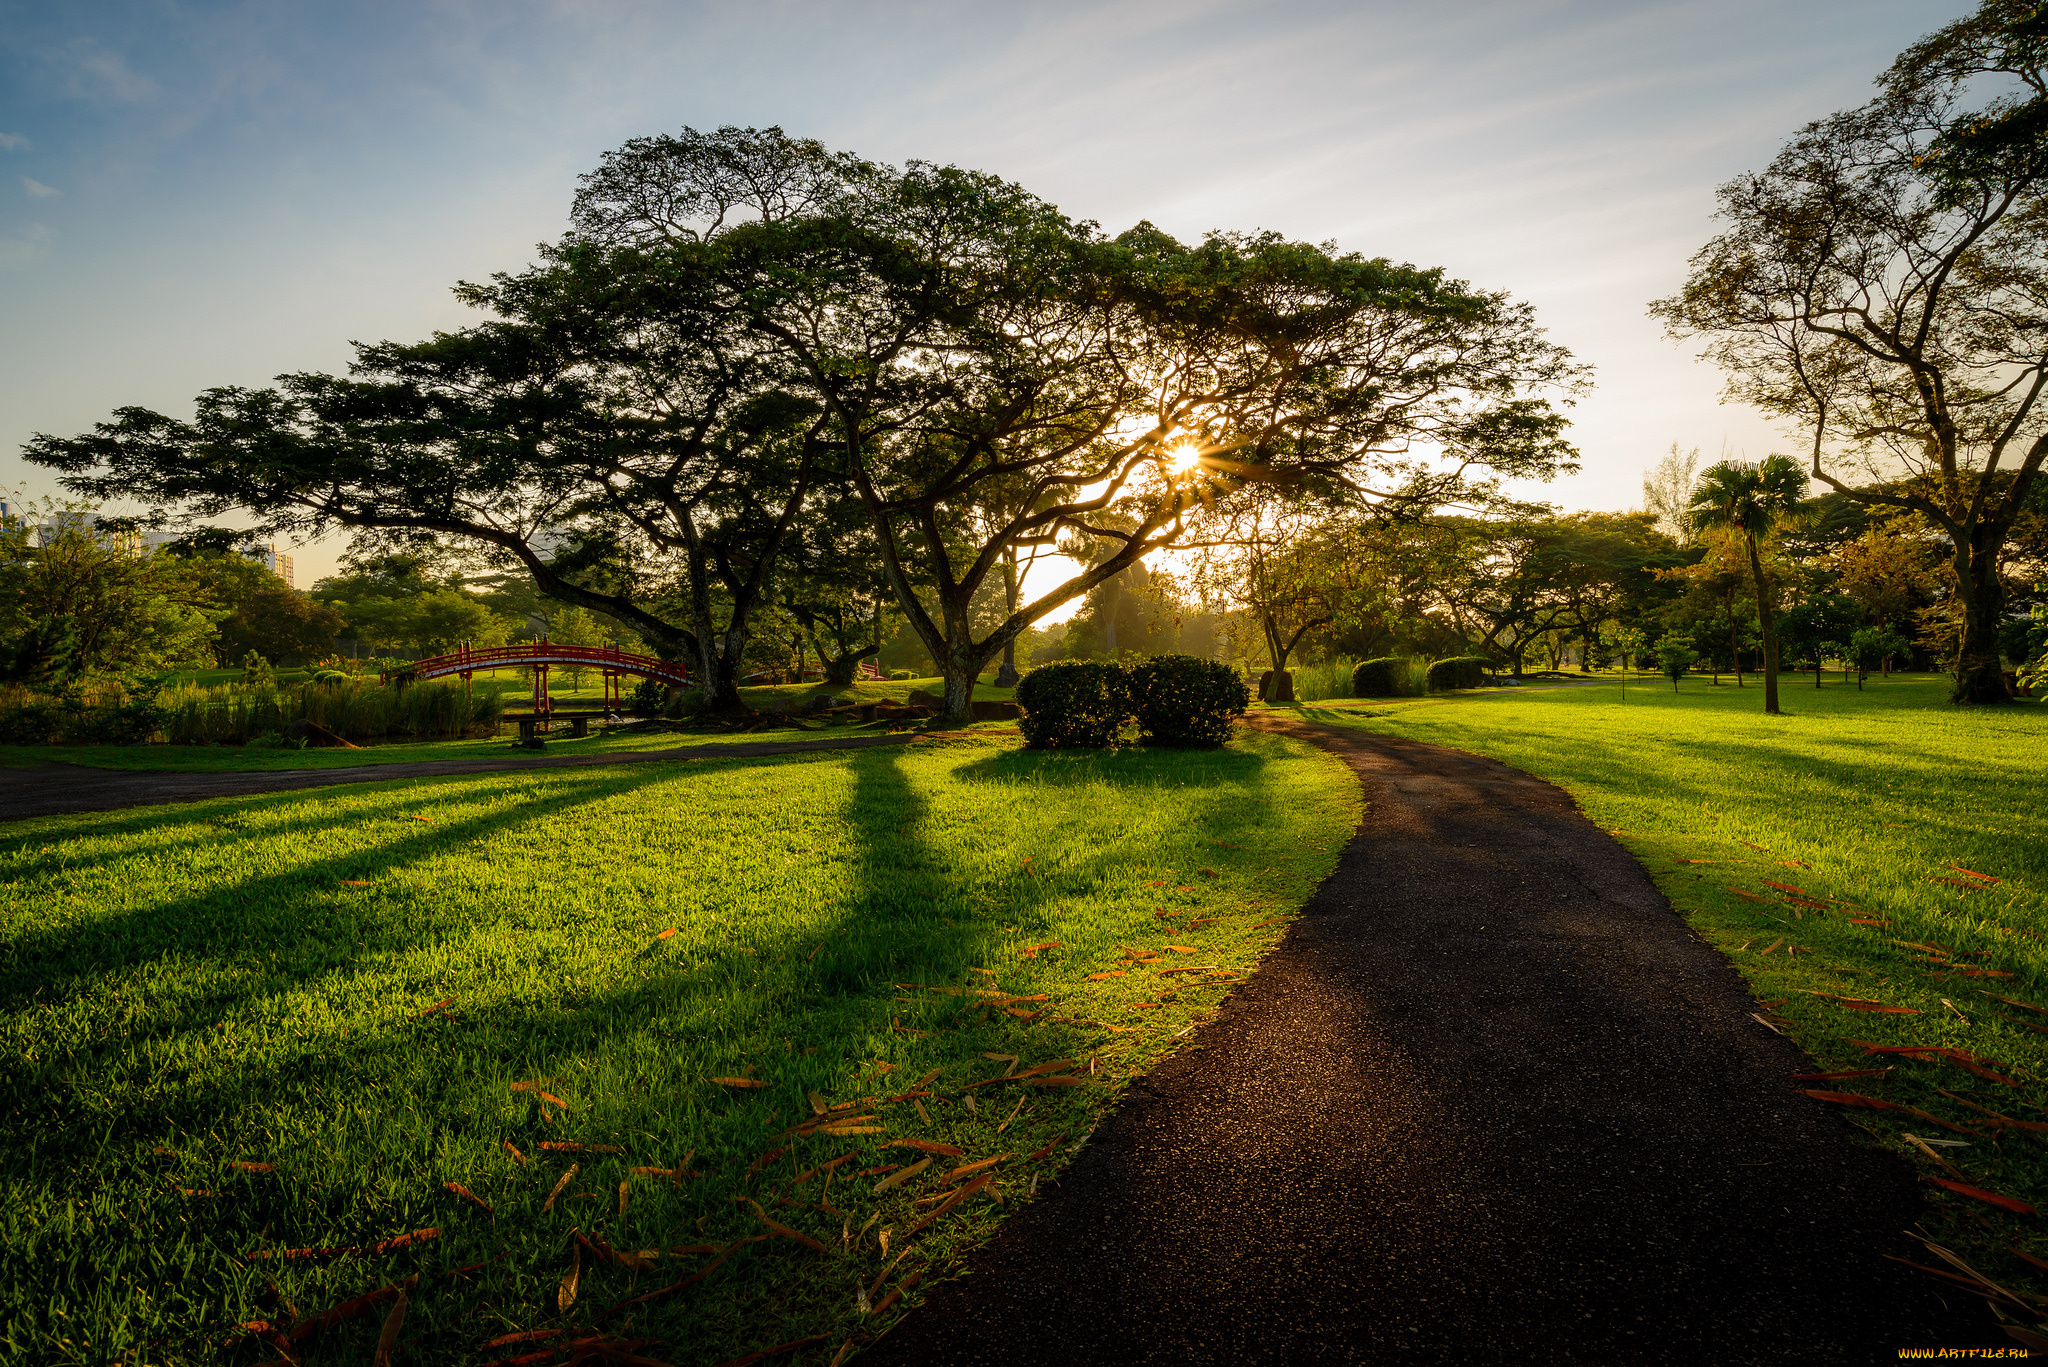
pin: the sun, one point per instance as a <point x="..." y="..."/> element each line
<point x="1183" y="459"/>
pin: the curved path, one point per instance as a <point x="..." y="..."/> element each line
<point x="1489" y="1102"/>
<point x="52" y="789"/>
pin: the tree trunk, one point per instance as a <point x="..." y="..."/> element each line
<point x="1006" y="677"/>
<point x="1980" y="676"/>
<point x="1763" y="617"/>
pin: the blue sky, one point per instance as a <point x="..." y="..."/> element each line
<point x="203" y="194"/>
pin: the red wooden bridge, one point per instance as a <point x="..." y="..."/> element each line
<point x="539" y="656"/>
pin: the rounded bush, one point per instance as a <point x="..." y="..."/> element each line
<point x="1458" y="671"/>
<point x="900" y="675"/>
<point x="1381" y="678"/>
<point x="1074" y="704"/>
<point x="1186" y="700"/>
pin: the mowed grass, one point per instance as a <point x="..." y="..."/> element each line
<point x="1821" y="851"/>
<point x="220" y="1030"/>
<point x="225" y="758"/>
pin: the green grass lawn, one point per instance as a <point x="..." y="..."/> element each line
<point x="284" y="1024"/>
<point x="1820" y="851"/>
<point x="220" y="758"/>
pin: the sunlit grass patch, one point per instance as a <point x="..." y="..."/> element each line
<point x="360" y="995"/>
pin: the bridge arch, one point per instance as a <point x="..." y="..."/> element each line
<point x="540" y="656"/>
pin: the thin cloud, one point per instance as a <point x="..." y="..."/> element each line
<point x="37" y="190"/>
<point x="19" y="251"/>
<point x="12" y="142"/>
<point x="97" y="73"/>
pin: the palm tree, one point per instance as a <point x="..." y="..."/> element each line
<point x="1751" y="499"/>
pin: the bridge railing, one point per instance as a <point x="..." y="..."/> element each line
<point x="527" y="653"/>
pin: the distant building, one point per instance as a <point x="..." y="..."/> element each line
<point x="273" y="559"/>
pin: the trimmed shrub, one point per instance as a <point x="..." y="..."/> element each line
<point x="1074" y="703"/>
<point x="1184" y="700"/>
<point x="647" y="698"/>
<point x="1384" y="677"/>
<point x="1458" y="671"/>
<point x="900" y="676"/>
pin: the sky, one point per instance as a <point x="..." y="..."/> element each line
<point x="195" y="195"/>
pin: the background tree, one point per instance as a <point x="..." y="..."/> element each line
<point x="1667" y="492"/>
<point x="1752" y="499"/>
<point x="1871" y="648"/>
<point x="1675" y="656"/>
<point x="1884" y="286"/>
<point x="1819" y="626"/>
<point x="79" y="606"/>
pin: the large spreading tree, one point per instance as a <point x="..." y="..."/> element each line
<point x="1883" y="285"/>
<point x="743" y="329"/>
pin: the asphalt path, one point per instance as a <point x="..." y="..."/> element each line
<point x="53" y="789"/>
<point x="1489" y="1102"/>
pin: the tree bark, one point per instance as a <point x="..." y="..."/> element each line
<point x="1006" y="677"/>
<point x="1980" y="676"/>
<point x="1763" y="616"/>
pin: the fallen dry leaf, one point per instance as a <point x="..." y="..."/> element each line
<point x="441" y="1005"/>
<point x="513" y="1149"/>
<point x="387" y="1338"/>
<point x="1978" y="1193"/>
<point x="466" y="1194"/>
<point x="902" y="1175"/>
<point x="784" y="1231"/>
<point x="565" y="1294"/>
<point x="738" y="1082"/>
<point x="560" y="1187"/>
<point x="928" y="1146"/>
<point x="666" y="934"/>
<point x="574" y="1146"/>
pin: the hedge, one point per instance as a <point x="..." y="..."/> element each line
<point x="1380" y="678"/>
<point x="1188" y="701"/>
<point x="1458" y="671"/>
<point x="1074" y="704"/>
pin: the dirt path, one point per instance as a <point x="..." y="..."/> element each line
<point x="51" y="789"/>
<point x="1490" y="1102"/>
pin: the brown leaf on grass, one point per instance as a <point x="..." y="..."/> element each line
<point x="902" y="1175"/>
<point x="950" y="1203"/>
<point x="927" y="1146"/>
<point x="441" y="1005"/>
<point x="1838" y="1077"/>
<point x="2032" y="1126"/>
<point x="565" y="1294"/>
<point x="667" y="934"/>
<point x="1982" y="973"/>
<point x="1753" y="846"/>
<point x="1098" y="977"/>
<point x="1974" y="874"/>
<point x="2011" y="1001"/>
<point x="549" y="1096"/>
<point x="1692" y="861"/>
<point x="1751" y="896"/>
<point x="738" y="1082"/>
<point x="699" y="1275"/>
<point x="1959" y="883"/>
<point x="1056" y="1082"/>
<point x="2017" y="1207"/>
<point x="1155" y="883"/>
<point x="777" y="1351"/>
<point x="524" y="1336"/>
<point x="513" y="1149"/>
<point x="969" y="1169"/>
<point x="897" y="1294"/>
<point x="1056" y="1066"/>
<point x="387" y="1337"/>
<point x="1848" y="1099"/>
<point x="576" y="1146"/>
<point x="1206" y="873"/>
<point x="1037" y="1154"/>
<point x="818" y="1106"/>
<point x="1864" y="1004"/>
<point x="1795" y="863"/>
<point x="765" y="1159"/>
<point x="349" y="1309"/>
<point x="1962" y="1058"/>
<point x="1182" y="949"/>
<point x="376" y="1250"/>
<point x="1870" y="923"/>
<point x="560" y="1187"/>
<point x="1030" y="950"/>
<point x="466" y="1194"/>
<point x="783" y="1231"/>
<point x="1784" y="887"/>
<point x="355" y="882"/>
<point x="252" y="1167"/>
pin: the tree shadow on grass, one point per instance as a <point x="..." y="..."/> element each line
<point x="1126" y="767"/>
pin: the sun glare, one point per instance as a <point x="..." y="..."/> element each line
<point x="1183" y="459"/>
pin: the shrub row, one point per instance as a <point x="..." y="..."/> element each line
<point x="235" y="714"/>
<point x="1176" y="700"/>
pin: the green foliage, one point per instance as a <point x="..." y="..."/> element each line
<point x="901" y="675"/>
<point x="1870" y="647"/>
<point x="1187" y="701"/>
<point x="1458" y="671"/>
<point x="647" y="698"/>
<point x="1385" y="677"/>
<point x="1675" y="655"/>
<point x="103" y="717"/>
<point x="256" y="671"/>
<point x="79" y="606"/>
<point x="1080" y="704"/>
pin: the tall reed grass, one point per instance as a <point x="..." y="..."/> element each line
<point x="1332" y="679"/>
<point x="359" y="711"/>
<point x="237" y="714"/>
